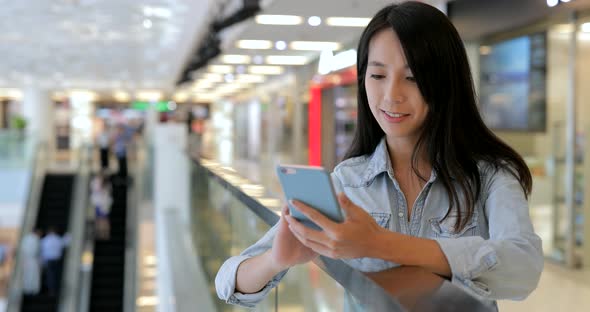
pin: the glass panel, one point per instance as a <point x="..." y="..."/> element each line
<point x="582" y="131"/>
<point x="223" y="226"/>
<point x="544" y="149"/>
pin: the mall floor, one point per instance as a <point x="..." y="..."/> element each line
<point x="560" y="289"/>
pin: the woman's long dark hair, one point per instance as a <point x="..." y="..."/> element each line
<point x="454" y="137"/>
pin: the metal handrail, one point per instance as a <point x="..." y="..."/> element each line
<point x="71" y="285"/>
<point x="38" y="169"/>
<point x="131" y="234"/>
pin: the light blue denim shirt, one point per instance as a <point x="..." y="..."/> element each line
<point x="496" y="256"/>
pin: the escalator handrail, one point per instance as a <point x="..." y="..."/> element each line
<point x="131" y="230"/>
<point x="38" y="170"/>
<point x="71" y="287"/>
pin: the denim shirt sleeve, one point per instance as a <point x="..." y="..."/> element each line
<point x="508" y="265"/>
<point x="225" y="281"/>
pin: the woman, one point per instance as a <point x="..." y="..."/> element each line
<point x="425" y="182"/>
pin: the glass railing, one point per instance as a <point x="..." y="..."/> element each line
<point x="230" y="213"/>
<point x="16" y="149"/>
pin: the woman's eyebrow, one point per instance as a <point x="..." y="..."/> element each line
<point x="379" y="64"/>
<point x="376" y="63"/>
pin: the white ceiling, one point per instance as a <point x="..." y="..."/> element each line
<point x="104" y="45"/>
<point x="94" y="44"/>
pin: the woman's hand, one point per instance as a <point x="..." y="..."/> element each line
<point x="354" y="238"/>
<point x="286" y="250"/>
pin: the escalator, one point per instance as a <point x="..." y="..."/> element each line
<point x="54" y="211"/>
<point x="108" y="271"/>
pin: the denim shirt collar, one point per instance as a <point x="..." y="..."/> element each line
<point x="380" y="162"/>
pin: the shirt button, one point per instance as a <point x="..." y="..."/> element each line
<point x="401" y="214"/>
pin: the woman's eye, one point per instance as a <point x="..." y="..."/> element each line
<point x="411" y="78"/>
<point x="377" y="77"/>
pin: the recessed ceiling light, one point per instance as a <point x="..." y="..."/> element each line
<point x="220" y="69"/>
<point x="147" y="23"/>
<point x="265" y="70"/>
<point x="178" y="97"/>
<point x="279" y="19"/>
<point x="281" y="45"/>
<point x="212" y="77"/>
<point x="121" y="96"/>
<point x="148" y="95"/>
<point x="160" y="12"/>
<point x="552" y="3"/>
<point x="348" y="21"/>
<point x="247" y="78"/>
<point x="286" y="60"/>
<point x="235" y="59"/>
<point x="314" y="45"/>
<point x="314" y="21"/>
<point x="228" y="78"/>
<point x="254" y="44"/>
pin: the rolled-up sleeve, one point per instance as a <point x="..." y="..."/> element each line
<point x="225" y="281"/>
<point x="508" y="265"/>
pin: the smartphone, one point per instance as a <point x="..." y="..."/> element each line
<point x="312" y="186"/>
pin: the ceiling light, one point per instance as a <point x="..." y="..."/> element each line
<point x="147" y="23"/>
<point x="14" y="94"/>
<point x="235" y="59"/>
<point x="314" y="21"/>
<point x="314" y="45"/>
<point x="205" y="97"/>
<point x="254" y="44"/>
<point x="586" y="27"/>
<point x="247" y="78"/>
<point x="279" y="19"/>
<point x="213" y="77"/>
<point x="229" y="78"/>
<point x="203" y="84"/>
<point x="348" y="21"/>
<point x="83" y="95"/>
<point x="281" y="45"/>
<point x="157" y="12"/>
<point x="552" y="3"/>
<point x="265" y="70"/>
<point x="286" y="60"/>
<point x="121" y="96"/>
<point x="152" y="96"/>
<point x="221" y="69"/>
<point x="179" y="97"/>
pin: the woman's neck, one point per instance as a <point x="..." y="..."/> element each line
<point x="400" y="153"/>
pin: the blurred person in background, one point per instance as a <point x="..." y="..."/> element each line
<point x="51" y="254"/>
<point x="101" y="199"/>
<point x="121" y="140"/>
<point x="31" y="262"/>
<point x="3" y="262"/>
<point x="104" y="143"/>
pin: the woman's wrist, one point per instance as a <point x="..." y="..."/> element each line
<point x="275" y="267"/>
<point x="384" y="245"/>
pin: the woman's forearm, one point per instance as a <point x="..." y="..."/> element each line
<point x="409" y="250"/>
<point x="254" y="273"/>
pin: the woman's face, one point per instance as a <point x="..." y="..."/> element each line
<point x="394" y="97"/>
